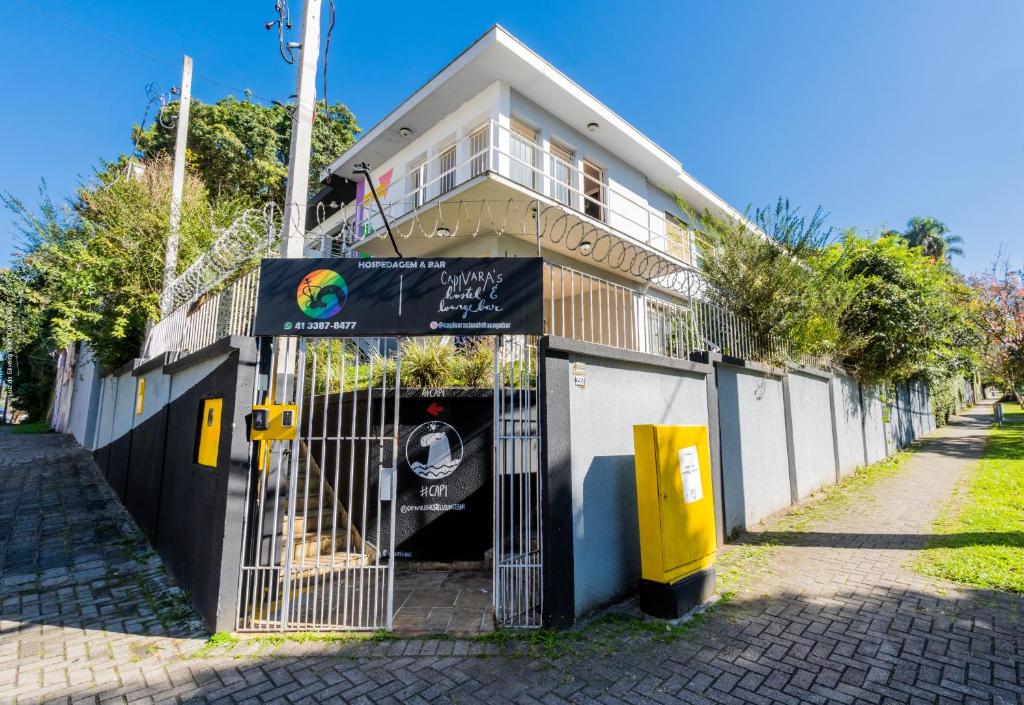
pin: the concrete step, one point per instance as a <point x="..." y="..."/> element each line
<point x="308" y="524"/>
<point x="310" y="546"/>
<point x="328" y="562"/>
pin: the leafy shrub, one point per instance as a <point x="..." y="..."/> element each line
<point x="428" y="363"/>
<point x="475" y="364"/>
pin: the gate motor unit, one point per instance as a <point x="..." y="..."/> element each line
<point x="676" y="510"/>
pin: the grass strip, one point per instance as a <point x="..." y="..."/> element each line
<point x="979" y="538"/>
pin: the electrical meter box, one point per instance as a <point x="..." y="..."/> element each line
<point x="676" y="511"/>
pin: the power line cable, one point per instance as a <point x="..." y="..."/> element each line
<point x="327" y="48"/>
<point x="127" y="47"/>
<point x="283" y="22"/>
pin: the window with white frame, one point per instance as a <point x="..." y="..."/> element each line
<point x="677" y="240"/>
<point x="701" y="245"/>
<point x="446" y="165"/>
<point x="562" y="175"/>
<point x="418" y="183"/>
<point x="593" y="190"/>
<point x="523" y="153"/>
<point x="478" y="148"/>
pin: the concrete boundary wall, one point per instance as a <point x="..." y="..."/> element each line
<point x="849" y="424"/>
<point x="192" y="514"/>
<point x="84" y="399"/>
<point x="875" y="445"/>
<point x="598" y="490"/>
<point x="812" y="446"/>
<point x="776" y="437"/>
<point x="755" y="457"/>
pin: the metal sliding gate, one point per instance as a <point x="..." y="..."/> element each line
<point x="518" y="575"/>
<point x="318" y="541"/>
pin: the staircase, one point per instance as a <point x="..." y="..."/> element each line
<point x="322" y="541"/>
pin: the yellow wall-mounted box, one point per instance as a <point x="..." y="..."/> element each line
<point x="675" y="502"/>
<point x="274" y="422"/>
<point x="209" y="432"/>
<point x="140" y="396"/>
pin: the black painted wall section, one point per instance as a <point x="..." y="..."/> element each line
<point x="117" y="463"/>
<point x="556" y="466"/>
<point x="192" y="513"/>
<point x="145" y="472"/>
<point x="190" y="527"/>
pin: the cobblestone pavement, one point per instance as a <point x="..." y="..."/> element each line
<point x="826" y="613"/>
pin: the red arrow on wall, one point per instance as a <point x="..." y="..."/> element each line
<point x="434" y="409"/>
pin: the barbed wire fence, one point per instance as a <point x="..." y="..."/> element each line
<point x="697" y="321"/>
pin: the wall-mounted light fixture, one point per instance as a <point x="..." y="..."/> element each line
<point x="592" y="126"/>
<point x="586" y="247"/>
<point x="443" y="232"/>
<point x="404" y="131"/>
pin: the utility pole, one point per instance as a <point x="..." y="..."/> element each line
<point x="177" y="184"/>
<point x="297" y="190"/>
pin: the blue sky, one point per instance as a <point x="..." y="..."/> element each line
<point x="878" y="111"/>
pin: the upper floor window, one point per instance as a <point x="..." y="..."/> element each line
<point x="418" y="183"/>
<point x="677" y="241"/>
<point x="479" y="145"/>
<point x="593" y="190"/>
<point x="446" y="164"/>
<point x="563" y="181"/>
<point x="523" y="153"/>
<point x="701" y="245"/>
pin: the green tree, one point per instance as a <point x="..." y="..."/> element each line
<point x="999" y="313"/>
<point x="93" y="269"/>
<point x="240" y="148"/>
<point x="759" y="268"/>
<point x="906" y="313"/>
<point x="934" y="238"/>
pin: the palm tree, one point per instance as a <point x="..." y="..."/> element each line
<point x="933" y="237"/>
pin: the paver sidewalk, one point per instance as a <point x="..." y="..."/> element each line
<point x="834" y="616"/>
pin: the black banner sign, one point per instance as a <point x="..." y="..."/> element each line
<point x="400" y="296"/>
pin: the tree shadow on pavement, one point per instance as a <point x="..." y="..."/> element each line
<point x="871" y="644"/>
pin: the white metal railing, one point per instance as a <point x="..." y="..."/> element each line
<point x="588" y="308"/>
<point x="577" y="305"/>
<point x="206" y="320"/>
<point x="496" y="149"/>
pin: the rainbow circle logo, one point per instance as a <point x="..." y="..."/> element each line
<point x="322" y="293"/>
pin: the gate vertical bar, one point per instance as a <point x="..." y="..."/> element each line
<point x="293" y="471"/>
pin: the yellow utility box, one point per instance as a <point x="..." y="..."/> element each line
<point x="140" y="395"/>
<point x="209" y="432"/>
<point x="274" y="422"/>
<point x="676" y="511"/>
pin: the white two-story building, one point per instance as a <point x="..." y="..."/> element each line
<point x="500" y="153"/>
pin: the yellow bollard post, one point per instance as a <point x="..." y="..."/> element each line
<point x="676" y="511"/>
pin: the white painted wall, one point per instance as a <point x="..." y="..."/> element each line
<point x="454" y="128"/>
<point x="813" y="449"/>
<point x="155" y="394"/>
<point x="874" y="425"/>
<point x="849" y="434"/>
<point x="755" y="455"/>
<point x="124" y="407"/>
<point x="628" y="209"/>
<point x="85" y="400"/>
<point x="606" y="535"/>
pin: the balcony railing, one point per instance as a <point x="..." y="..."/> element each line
<point x="584" y="307"/>
<point x="495" y="149"/>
